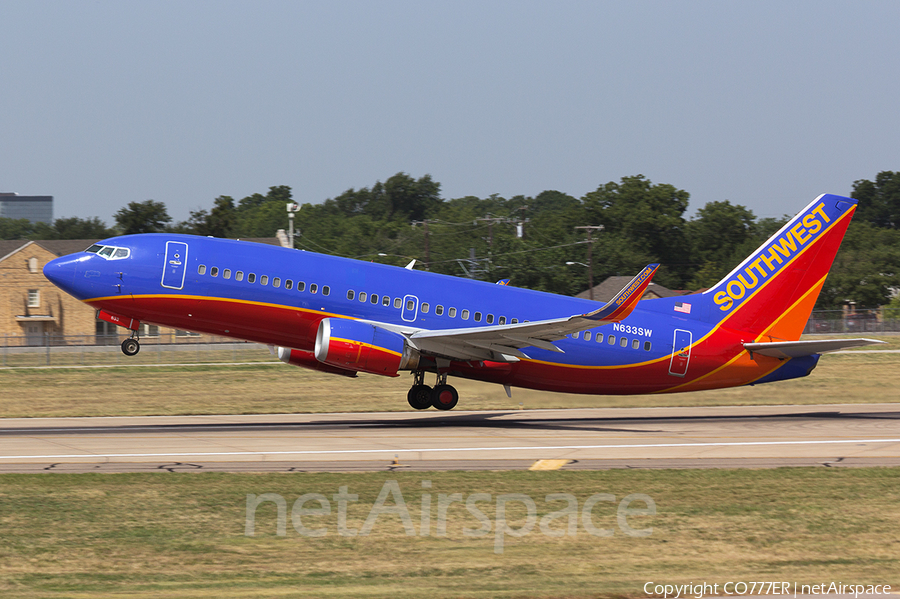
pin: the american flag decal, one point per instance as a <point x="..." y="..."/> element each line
<point x="683" y="307"/>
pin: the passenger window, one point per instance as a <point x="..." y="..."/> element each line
<point x="264" y="280"/>
<point x="423" y="308"/>
<point x="464" y="314"/>
<point x="587" y="335"/>
<point x="385" y="301"/>
<point x="501" y="320"/>
<point x="214" y="271"/>
<point x="439" y="310"/>
<point x="611" y="339"/>
<point x="477" y="317"/>
<point x="313" y="287"/>
<point x="251" y="277"/>
<point x="373" y="299"/>
<point x="350" y="294"/>
<point x="623" y="342"/>
<point x="646" y="346"/>
<point x="514" y="321"/>
<point x="226" y="274"/>
<point x="397" y="302"/>
<point x="490" y="319"/>
<point x="362" y="296"/>
<point x="451" y="312"/>
<point x="201" y="269"/>
<point x="276" y="282"/>
<point x="288" y="284"/>
<point x="410" y="305"/>
<point x="239" y="276"/>
<point x="635" y="344"/>
<point x="301" y="285"/>
<point x="575" y="335"/>
<point x="326" y="290"/>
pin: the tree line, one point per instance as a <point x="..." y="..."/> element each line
<point x="538" y="242"/>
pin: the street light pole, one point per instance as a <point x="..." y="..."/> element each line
<point x="292" y="207"/>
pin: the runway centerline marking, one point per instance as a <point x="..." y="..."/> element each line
<point x="452" y="449"/>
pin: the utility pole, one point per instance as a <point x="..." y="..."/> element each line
<point x="425" y="223"/>
<point x="490" y="220"/>
<point x="590" y="241"/>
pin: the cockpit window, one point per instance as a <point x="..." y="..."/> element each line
<point x="109" y="252"/>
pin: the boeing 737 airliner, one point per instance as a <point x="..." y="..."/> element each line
<point x="345" y="316"/>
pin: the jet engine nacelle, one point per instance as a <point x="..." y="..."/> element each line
<point x="354" y="345"/>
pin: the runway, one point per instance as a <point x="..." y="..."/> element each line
<point x="719" y="437"/>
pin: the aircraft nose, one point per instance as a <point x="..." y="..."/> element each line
<point x="63" y="272"/>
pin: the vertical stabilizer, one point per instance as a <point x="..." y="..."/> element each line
<point x="771" y="294"/>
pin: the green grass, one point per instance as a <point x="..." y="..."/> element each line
<point x="110" y="535"/>
<point x="278" y="388"/>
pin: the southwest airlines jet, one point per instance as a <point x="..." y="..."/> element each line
<point x="345" y="316"/>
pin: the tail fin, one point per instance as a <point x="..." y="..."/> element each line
<point x="771" y="294"/>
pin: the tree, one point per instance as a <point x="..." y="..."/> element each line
<point x="80" y="228"/>
<point x="865" y="270"/>
<point x="143" y="217"/>
<point x="879" y="201"/>
<point x="651" y="216"/>
<point x="17" y="228"/>
<point x="218" y="222"/>
<point x="718" y="237"/>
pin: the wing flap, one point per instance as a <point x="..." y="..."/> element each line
<point x="798" y="349"/>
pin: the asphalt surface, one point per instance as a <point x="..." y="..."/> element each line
<point x="721" y="437"/>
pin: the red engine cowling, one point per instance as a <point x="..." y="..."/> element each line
<point x="353" y="345"/>
<point x="306" y="359"/>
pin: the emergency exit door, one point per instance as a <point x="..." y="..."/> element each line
<point x="175" y="265"/>
<point x="681" y="353"/>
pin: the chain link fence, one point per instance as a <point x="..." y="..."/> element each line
<point x="104" y="350"/>
<point x="878" y="320"/>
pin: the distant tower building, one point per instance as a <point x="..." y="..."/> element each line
<point x="37" y="209"/>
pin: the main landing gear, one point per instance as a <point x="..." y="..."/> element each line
<point x="422" y="397"/>
<point x="131" y="346"/>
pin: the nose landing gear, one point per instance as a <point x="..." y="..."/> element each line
<point x="131" y="346"/>
<point x="422" y="397"/>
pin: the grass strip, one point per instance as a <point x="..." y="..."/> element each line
<point x="279" y="388"/>
<point x="110" y="535"/>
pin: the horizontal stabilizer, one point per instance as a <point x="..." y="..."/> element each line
<point x="797" y="349"/>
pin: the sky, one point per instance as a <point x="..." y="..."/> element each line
<point x="766" y="103"/>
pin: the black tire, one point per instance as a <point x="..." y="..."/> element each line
<point x="444" y="397"/>
<point x="130" y="347"/>
<point x="419" y="397"/>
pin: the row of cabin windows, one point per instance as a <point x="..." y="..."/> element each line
<point x="611" y="340"/>
<point x="425" y="307"/>
<point x="263" y="279"/>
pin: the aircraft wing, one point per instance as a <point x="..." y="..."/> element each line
<point x="798" y="349"/>
<point x="503" y="343"/>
